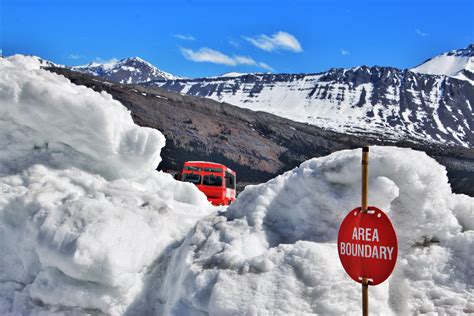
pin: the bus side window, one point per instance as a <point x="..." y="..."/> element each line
<point x="230" y="180"/>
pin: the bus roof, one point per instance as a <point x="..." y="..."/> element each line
<point x="208" y="163"/>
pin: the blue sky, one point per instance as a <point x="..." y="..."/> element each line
<point x="201" y="38"/>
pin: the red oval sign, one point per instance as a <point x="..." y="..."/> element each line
<point x="367" y="245"/>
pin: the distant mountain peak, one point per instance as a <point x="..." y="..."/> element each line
<point x="129" y="70"/>
<point x="458" y="63"/>
<point x="137" y="59"/>
<point x="463" y="52"/>
<point x="232" y="74"/>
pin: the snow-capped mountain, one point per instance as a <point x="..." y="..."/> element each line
<point x="233" y="74"/>
<point x="396" y="104"/>
<point x="129" y="70"/>
<point x="457" y="63"/>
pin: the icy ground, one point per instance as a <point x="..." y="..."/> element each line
<point x="88" y="226"/>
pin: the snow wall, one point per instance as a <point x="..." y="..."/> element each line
<point x="88" y="226"/>
<point x="83" y="213"/>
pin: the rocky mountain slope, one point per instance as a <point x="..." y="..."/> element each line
<point x="396" y="104"/>
<point x="257" y="145"/>
<point x="129" y="70"/>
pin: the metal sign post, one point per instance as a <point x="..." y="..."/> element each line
<point x="367" y="241"/>
<point x="365" y="178"/>
<point x="364" y="206"/>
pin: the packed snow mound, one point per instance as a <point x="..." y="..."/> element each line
<point x="275" y="252"/>
<point x="73" y="239"/>
<point x="45" y="118"/>
<point x="84" y="216"/>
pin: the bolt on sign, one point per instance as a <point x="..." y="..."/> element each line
<point x="367" y="245"/>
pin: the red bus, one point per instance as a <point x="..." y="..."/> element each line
<point x="215" y="180"/>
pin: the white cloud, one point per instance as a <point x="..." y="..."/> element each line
<point x="209" y="55"/>
<point x="345" y="52"/>
<point x="111" y="60"/>
<point x="242" y="60"/>
<point x="266" y="67"/>
<point x="184" y="37"/>
<point x="234" y="43"/>
<point x="76" y="56"/>
<point x="421" y="33"/>
<point x="278" y="41"/>
<point x="106" y="62"/>
<point x="205" y="54"/>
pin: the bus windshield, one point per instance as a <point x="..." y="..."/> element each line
<point x="192" y="177"/>
<point x="212" y="180"/>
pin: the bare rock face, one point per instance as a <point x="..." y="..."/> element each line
<point x="259" y="145"/>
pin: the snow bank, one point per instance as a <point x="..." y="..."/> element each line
<point x="84" y="217"/>
<point x="274" y="251"/>
<point x="47" y="119"/>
